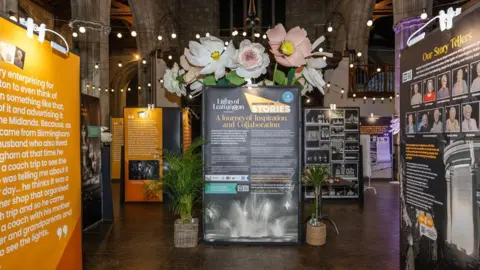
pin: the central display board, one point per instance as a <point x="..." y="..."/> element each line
<point x="252" y="164"/>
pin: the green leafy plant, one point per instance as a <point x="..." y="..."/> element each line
<point x="316" y="176"/>
<point x="183" y="180"/>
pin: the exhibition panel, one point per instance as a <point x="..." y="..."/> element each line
<point x="252" y="164"/>
<point x="440" y="148"/>
<point x="376" y="140"/>
<point x="41" y="187"/>
<point x="332" y="139"/>
<point x="116" y="125"/>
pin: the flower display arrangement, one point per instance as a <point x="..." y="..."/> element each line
<point x="209" y="62"/>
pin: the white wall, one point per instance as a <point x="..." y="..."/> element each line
<point x="339" y="77"/>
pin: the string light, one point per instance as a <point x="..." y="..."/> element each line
<point x="174" y="35"/>
<point x="119" y="35"/>
<point x="139" y="87"/>
<point x="159" y="37"/>
<point x="190" y="96"/>
<point x="137" y="57"/>
<point x="133" y="33"/>
<point x="257" y="35"/>
<point x="244" y="33"/>
<point x="129" y="89"/>
<point x="359" y="54"/>
<point x="325" y="58"/>
<point x="235" y="32"/>
<point x="373" y="100"/>
<point x="82" y="29"/>
<point x="113" y="90"/>
<point x="106" y="89"/>
<point x="149" y="84"/>
<point x="75" y="34"/>
<point x="207" y="34"/>
<point x="170" y="57"/>
<point x="120" y="64"/>
<point x="382" y="100"/>
<point x="308" y="100"/>
<point x="161" y="80"/>
<point x="93" y="87"/>
<point x="88" y="85"/>
<point x="379" y="69"/>
<point x="351" y="65"/>
<point x="226" y="43"/>
<point x="330" y="28"/>
<point x="369" y="23"/>
<point x="328" y="84"/>
<point x="144" y="61"/>
<point x="390" y="98"/>
<point x="364" y="99"/>
<point x="96" y="65"/>
<point x="264" y="36"/>
<point x="197" y="36"/>
<point x="121" y="90"/>
<point x="424" y="14"/>
<point x="320" y="49"/>
<point x="398" y="95"/>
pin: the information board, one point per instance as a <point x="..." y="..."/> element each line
<point x="40" y="177"/>
<point x="252" y="164"/>
<point x="116" y="147"/>
<point x="440" y="148"/>
<point x="332" y="139"/>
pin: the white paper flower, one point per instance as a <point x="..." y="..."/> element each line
<point x="252" y="60"/>
<point x="211" y="56"/>
<point x="312" y="70"/>
<point x="192" y="71"/>
<point x="314" y="77"/>
<point x="171" y="82"/>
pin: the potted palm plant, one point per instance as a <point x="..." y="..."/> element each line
<point x="184" y="183"/>
<point x="316" y="176"/>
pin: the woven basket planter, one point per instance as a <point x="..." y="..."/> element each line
<point x="186" y="235"/>
<point x="316" y="235"/>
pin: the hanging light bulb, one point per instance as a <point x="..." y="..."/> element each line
<point x="207" y="34"/>
<point x="424" y="14"/>
<point x="354" y="96"/>
<point x="82" y="29"/>
<point x="170" y="57"/>
<point x="308" y="100"/>
<point x="244" y="33"/>
<point x="149" y="84"/>
<point x="161" y="80"/>
<point x="174" y="35"/>
<point x="398" y="95"/>
<point x="351" y="65"/>
<point x="75" y="34"/>
<point x="139" y="87"/>
<point x="129" y="89"/>
<point x="325" y="58"/>
<point x="234" y="32"/>
<point x="320" y="49"/>
<point x="190" y="96"/>
<point x="369" y="23"/>
<point x="364" y="99"/>
<point x="119" y="35"/>
<point x="113" y="90"/>
<point x="224" y="48"/>
<point x="342" y="91"/>
<point x="226" y="43"/>
<point x="144" y="61"/>
<point x="328" y="84"/>
<point x="159" y="37"/>
<point x="88" y="85"/>
<point x="330" y="28"/>
<point x="137" y="56"/>
<point x="359" y="54"/>
<point x="133" y="33"/>
<point x="106" y="89"/>
<point x="121" y="90"/>
<point x="257" y="35"/>
<point x="197" y="36"/>
<point x="264" y="36"/>
<point x="379" y="69"/>
<point x="382" y="99"/>
<point x="93" y="87"/>
<point x="391" y="98"/>
<point x="96" y="66"/>
<point x="120" y="64"/>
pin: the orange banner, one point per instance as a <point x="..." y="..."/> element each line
<point x="187" y="130"/>
<point x="116" y="147"/>
<point x="40" y="202"/>
<point x="143" y="152"/>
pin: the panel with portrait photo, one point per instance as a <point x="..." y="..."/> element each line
<point x="337" y="150"/>
<point x="312" y="138"/>
<point x="443" y="85"/>
<point x="311" y="117"/>
<point x="19" y="59"/>
<point x="410" y="127"/>
<point x="429" y="92"/>
<point x="416" y="93"/>
<point x="452" y="118"/>
<point x="424" y="121"/>
<point x="351" y="119"/>
<point x="459" y="79"/>
<point x="475" y="74"/>
<point x="470" y="116"/>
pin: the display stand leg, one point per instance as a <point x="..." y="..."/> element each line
<point x="370" y="187"/>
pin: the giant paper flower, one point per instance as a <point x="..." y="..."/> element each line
<point x="312" y="70"/>
<point x="173" y="80"/>
<point x="211" y="55"/>
<point x="290" y="49"/>
<point x="192" y="71"/>
<point x="252" y="60"/>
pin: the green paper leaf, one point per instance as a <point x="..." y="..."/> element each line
<point x="279" y="77"/>
<point x="234" y="78"/>
<point x="209" y="80"/>
<point x="223" y="82"/>
<point x="290" y="76"/>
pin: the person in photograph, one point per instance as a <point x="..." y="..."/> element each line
<point x="410" y="128"/>
<point x="417" y="96"/>
<point x="443" y="92"/>
<point x="469" y="123"/>
<point x="476" y="82"/>
<point x="437" y="125"/>
<point x="430" y="94"/>
<point x="460" y="87"/>
<point x="424" y="127"/>
<point x="452" y="124"/>
<point x="18" y="61"/>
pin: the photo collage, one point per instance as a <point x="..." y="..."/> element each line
<point x="452" y="92"/>
<point x="332" y="139"/>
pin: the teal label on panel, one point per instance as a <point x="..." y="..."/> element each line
<point x="93" y="131"/>
<point x="221" y="188"/>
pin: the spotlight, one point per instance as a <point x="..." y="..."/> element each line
<point x="351" y="65"/>
<point x="244" y="33"/>
<point x="82" y="29"/>
<point x="330" y="28"/>
<point x="226" y="43"/>
<point x="170" y="57"/>
<point x="174" y="35"/>
<point x="264" y="36"/>
<point x="119" y="35"/>
<point x="207" y="34"/>
<point x="197" y="36"/>
<point x="159" y="37"/>
<point x="359" y="54"/>
<point x="369" y="23"/>
<point x="320" y="49"/>
<point x="379" y="69"/>
<point x="75" y="34"/>
<point x="424" y="14"/>
<point x="144" y="61"/>
<point x="96" y="66"/>
<point x="120" y="64"/>
<point x="133" y="33"/>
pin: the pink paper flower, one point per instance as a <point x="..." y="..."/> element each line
<point x="289" y="49"/>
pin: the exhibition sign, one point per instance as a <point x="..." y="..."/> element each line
<point x="143" y="152"/>
<point x="440" y="148"/>
<point x="186" y="130"/>
<point x="332" y="140"/>
<point x="91" y="148"/>
<point x="40" y="178"/>
<point x="379" y="147"/>
<point x="252" y="164"/>
<point x="116" y="125"/>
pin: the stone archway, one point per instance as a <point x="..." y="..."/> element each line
<point x="120" y="80"/>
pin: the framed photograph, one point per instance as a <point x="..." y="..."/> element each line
<point x="470" y="117"/>
<point x="443" y="85"/>
<point x="416" y="93"/>
<point x="312" y="137"/>
<point x="411" y="126"/>
<point x="430" y="121"/>
<point x="429" y="94"/>
<point x="460" y="77"/>
<point x="475" y="75"/>
<point x="452" y="118"/>
<point x="337" y="150"/>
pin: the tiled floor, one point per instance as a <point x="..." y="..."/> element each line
<point x="142" y="238"/>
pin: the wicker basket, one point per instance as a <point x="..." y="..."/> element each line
<point x="316" y="235"/>
<point x="186" y="235"/>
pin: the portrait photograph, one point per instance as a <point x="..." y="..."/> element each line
<point x="312" y="137"/>
<point x="429" y="94"/>
<point x="459" y="80"/>
<point x="416" y="94"/>
<point x="410" y="126"/>
<point x="443" y="85"/>
<point x="452" y="118"/>
<point x="337" y="150"/>
<point x="351" y="119"/>
<point x="475" y="74"/>
<point x="311" y="116"/>
<point x="470" y="116"/>
<point x="323" y="117"/>
<point x="19" y="58"/>
<point x="430" y="121"/>
<point x="324" y="133"/>
<point x="143" y="169"/>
